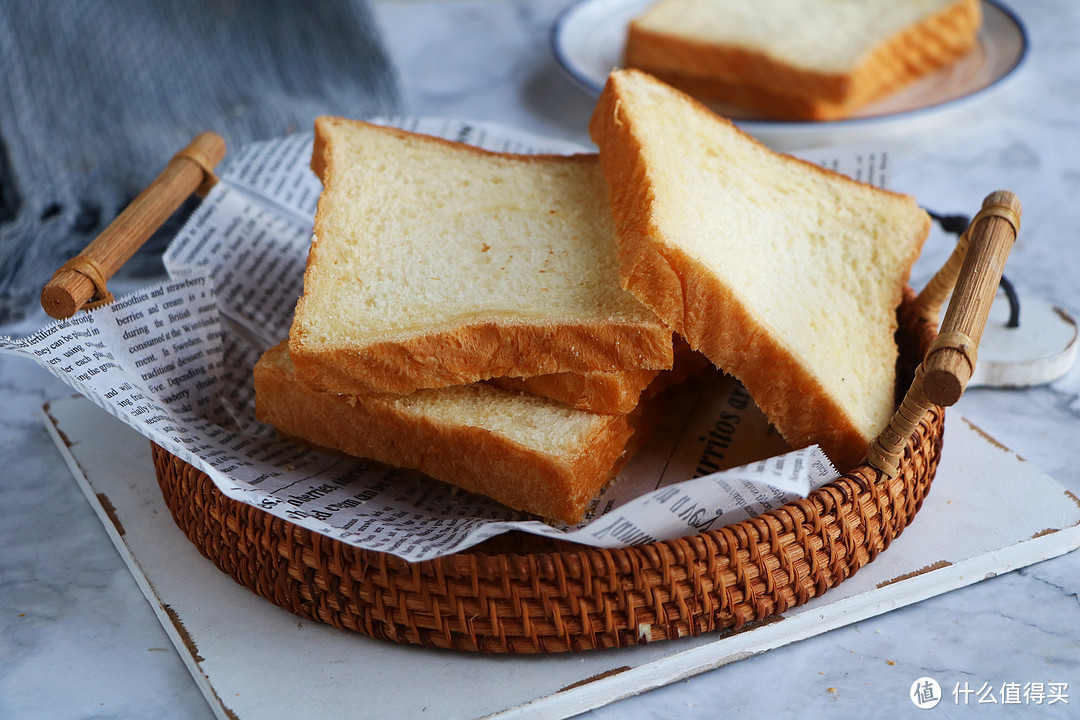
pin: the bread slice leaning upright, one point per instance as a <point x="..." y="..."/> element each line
<point x="782" y="273"/>
<point x="436" y="263"/>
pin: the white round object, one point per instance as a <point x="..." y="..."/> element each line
<point x="1041" y="349"/>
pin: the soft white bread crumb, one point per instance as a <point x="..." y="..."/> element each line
<point x="785" y="275"/>
<point x="435" y="263"/>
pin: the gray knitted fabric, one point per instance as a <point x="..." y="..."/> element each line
<point x="97" y="95"/>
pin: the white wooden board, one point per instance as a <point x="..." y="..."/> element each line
<point x="1041" y="349"/>
<point x="254" y="660"/>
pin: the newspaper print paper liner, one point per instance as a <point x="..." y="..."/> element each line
<point x="174" y="362"/>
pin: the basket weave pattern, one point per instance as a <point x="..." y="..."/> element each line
<point x="523" y="594"/>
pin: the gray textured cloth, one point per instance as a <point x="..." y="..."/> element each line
<point x="96" y="96"/>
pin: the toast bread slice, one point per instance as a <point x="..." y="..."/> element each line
<point x="799" y="59"/>
<point x="530" y="453"/>
<point x="784" y="274"/>
<point x="435" y="263"/>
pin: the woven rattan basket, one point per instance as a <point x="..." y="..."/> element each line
<point x="524" y="594"/>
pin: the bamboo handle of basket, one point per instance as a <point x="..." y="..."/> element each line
<point x="949" y="363"/>
<point x="83" y="278"/>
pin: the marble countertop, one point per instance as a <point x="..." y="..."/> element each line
<point x="78" y="640"/>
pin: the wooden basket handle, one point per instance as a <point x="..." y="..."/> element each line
<point x="82" y="279"/>
<point x="974" y="268"/>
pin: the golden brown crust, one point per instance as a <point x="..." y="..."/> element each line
<point x="320" y="152"/>
<point x="481" y="351"/>
<point x="752" y="80"/>
<point x="608" y="393"/>
<point x="727" y="66"/>
<point x="557" y="488"/>
<point x="690" y="298"/>
<point x="741" y="99"/>
<point x="932" y="43"/>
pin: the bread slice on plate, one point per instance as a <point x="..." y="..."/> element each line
<point x="782" y="273"/>
<point x="435" y="263"/>
<point x="530" y="453"/>
<point x="799" y="59"/>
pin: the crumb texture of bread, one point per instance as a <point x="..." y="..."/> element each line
<point x="782" y="273"/>
<point x="529" y="453"/>
<point x="435" y="263"/>
<point x="799" y="59"/>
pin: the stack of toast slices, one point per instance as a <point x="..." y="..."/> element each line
<point x="503" y="322"/>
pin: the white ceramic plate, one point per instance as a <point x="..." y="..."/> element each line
<point x="589" y="37"/>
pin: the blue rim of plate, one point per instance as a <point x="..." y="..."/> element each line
<point x="586" y="83"/>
